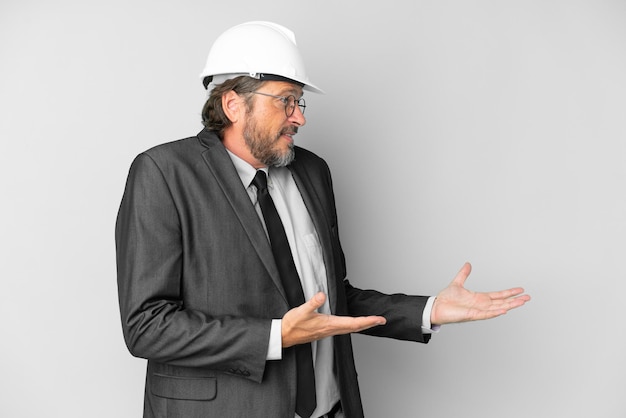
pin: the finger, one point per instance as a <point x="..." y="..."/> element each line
<point x="315" y="302"/>
<point x="346" y="324"/>
<point x="482" y="315"/>
<point x="461" y="276"/>
<point x="505" y="294"/>
<point x="517" y="301"/>
<point x="496" y="309"/>
<point x="508" y="304"/>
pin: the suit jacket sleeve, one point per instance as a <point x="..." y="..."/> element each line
<point x="156" y="323"/>
<point x="402" y="312"/>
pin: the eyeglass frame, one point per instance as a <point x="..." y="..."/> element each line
<point x="285" y="99"/>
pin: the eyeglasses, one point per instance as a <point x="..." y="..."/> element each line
<point x="288" y="101"/>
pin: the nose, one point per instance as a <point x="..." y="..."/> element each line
<point x="297" y="117"/>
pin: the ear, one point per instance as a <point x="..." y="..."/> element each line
<point x="233" y="106"/>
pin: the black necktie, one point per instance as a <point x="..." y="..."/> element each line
<point x="305" y="399"/>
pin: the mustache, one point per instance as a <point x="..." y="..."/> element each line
<point x="292" y="130"/>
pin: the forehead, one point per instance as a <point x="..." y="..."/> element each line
<point x="282" y="88"/>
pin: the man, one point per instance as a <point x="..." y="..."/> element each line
<point x="230" y="271"/>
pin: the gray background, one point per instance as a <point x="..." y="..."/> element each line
<point x="487" y="131"/>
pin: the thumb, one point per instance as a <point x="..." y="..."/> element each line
<point x="316" y="301"/>
<point x="462" y="275"/>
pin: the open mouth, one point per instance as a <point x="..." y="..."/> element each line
<point x="289" y="133"/>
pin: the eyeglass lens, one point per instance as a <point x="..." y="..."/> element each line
<point x="290" y="105"/>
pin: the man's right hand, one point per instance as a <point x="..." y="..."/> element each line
<point x="304" y="324"/>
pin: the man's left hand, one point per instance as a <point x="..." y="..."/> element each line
<point x="455" y="303"/>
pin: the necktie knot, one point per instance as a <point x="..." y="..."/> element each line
<point x="260" y="180"/>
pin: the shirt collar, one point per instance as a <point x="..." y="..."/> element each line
<point x="245" y="170"/>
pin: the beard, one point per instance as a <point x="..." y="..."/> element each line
<point x="265" y="146"/>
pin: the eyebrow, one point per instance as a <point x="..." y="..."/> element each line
<point x="291" y="92"/>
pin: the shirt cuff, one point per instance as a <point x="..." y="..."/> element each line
<point x="275" y="348"/>
<point x="427" y="327"/>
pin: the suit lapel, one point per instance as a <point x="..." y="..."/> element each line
<point x="222" y="169"/>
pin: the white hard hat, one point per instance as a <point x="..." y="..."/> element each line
<point x="263" y="50"/>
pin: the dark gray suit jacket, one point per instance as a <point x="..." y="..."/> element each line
<point x="198" y="286"/>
